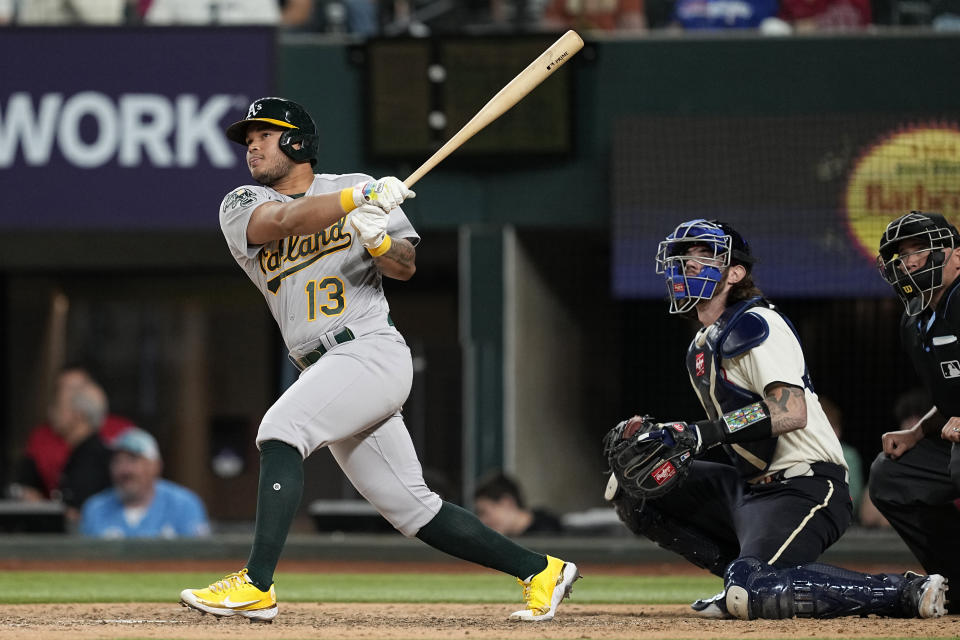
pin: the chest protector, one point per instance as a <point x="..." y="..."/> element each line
<point x="934" y="347"/>
<point x="733" y="334"/>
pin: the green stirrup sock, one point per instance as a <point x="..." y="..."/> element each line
<point x="457" y="532"/>
<point x="278" y="497"/>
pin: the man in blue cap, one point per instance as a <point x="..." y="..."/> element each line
<point x="141" y="504"/>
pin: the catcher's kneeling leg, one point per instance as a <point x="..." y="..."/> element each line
<point x="644" y="519"/>
<point x="757" y="590"/>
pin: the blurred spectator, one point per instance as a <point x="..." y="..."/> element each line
<point x="400" y="17"/>
<point x="198" y="12"/>
<point x="363" y="17"/>
<point x="870" y="516"/>
<point x="77" y="415"/>
<point x="659" y="13"/>
<point x="141" y="504"/>
<point x="46" y="452"/>
<point x="499" y="504"/>
<point x="723" y="14"/>
<point x="6" y="12"/>
<point x="850" y="454"/>
<point x="515" y="14"/>
<point x="605" y="15"/>
<point x="421" y="18"/>
<point x="909" y="408"/>
<point x="826" y="15"/>
<point x="51" y="12"/>
<point x="296" y="13"/>
<point x="945" y="15"/>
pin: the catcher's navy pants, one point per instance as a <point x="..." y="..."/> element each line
<point x="784" y="522"/>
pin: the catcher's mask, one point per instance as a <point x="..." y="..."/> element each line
<point x="930" y="238"/>
<point x="285" y="114"/>
<point x="725" y="247"/>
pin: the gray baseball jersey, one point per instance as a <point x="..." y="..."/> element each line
<point x="349" y="398"/>
<point x="312" y="284"/>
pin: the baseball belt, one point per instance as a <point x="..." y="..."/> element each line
<point x="801" y="469"/>
<point x="331" y="339"/>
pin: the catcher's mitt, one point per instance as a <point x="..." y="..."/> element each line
<point x="649" y="459"/>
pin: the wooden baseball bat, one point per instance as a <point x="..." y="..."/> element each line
<point x="536" y="72"/>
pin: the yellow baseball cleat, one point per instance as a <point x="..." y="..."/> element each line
<point x="233" y="595"/>
<point x="544" y="591"/>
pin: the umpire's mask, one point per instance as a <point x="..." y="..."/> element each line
<point x="933" y="238"/>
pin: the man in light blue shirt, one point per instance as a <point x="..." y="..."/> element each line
<point x="141" y="504"/>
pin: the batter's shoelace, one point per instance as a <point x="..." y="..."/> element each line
<point x="231" y="581"/>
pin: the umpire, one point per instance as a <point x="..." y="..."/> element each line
<point x="916" y="479"/>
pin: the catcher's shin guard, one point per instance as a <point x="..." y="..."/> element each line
<point x="757" y="590"/>
<point x="645" y="520"/>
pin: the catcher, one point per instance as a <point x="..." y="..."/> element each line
<point x="762" y="518"/>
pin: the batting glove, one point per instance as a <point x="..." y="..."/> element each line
<point x="387" y="193"/>
<point x="370" y="223"/>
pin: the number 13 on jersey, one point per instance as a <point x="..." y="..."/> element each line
<point x="325" y="296"/>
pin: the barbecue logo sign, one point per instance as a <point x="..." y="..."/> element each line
<point x="915" y="168"/>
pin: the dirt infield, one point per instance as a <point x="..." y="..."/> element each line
<point x="433" y="621"/>
<point x="417" y="621"/>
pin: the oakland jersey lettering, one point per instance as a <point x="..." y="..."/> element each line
<point x="313" y="283"/>
<point x="309" y="249"/>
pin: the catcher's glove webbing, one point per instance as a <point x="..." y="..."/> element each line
<point x="649" y="459"/>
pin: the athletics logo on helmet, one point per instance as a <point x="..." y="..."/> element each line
<point x="921" y="242"/>
<point x="286" y="114"/>
<point x="725" y="247"/>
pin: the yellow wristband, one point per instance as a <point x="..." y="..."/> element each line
<point x="346" y="200"/>
<point x="382" y="249"/>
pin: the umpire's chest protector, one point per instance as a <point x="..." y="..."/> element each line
<point x="933" y="342"/>
<point x="733" y="334"/>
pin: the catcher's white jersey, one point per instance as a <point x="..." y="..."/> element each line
<point x="317" y="283"/>
<point x="779" y="358"/>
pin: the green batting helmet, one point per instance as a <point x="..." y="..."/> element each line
<point x="288" y="115"/>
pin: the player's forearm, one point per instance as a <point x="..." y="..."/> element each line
<point x="399" y="262"/>
<point x="310" y="214"/>
<point x="788" y="409"/>
<point x="276" y="220"/>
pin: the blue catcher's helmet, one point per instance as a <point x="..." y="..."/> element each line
<point x="725" y="247"/>
<point x="930" y="234"/>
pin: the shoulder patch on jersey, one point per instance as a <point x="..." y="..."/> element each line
<point x="241" y="197"/>
<point x="750" y="330"/>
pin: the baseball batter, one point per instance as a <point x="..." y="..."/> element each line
<point x="761" y="514"/>
<point x="317" y="247"/>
